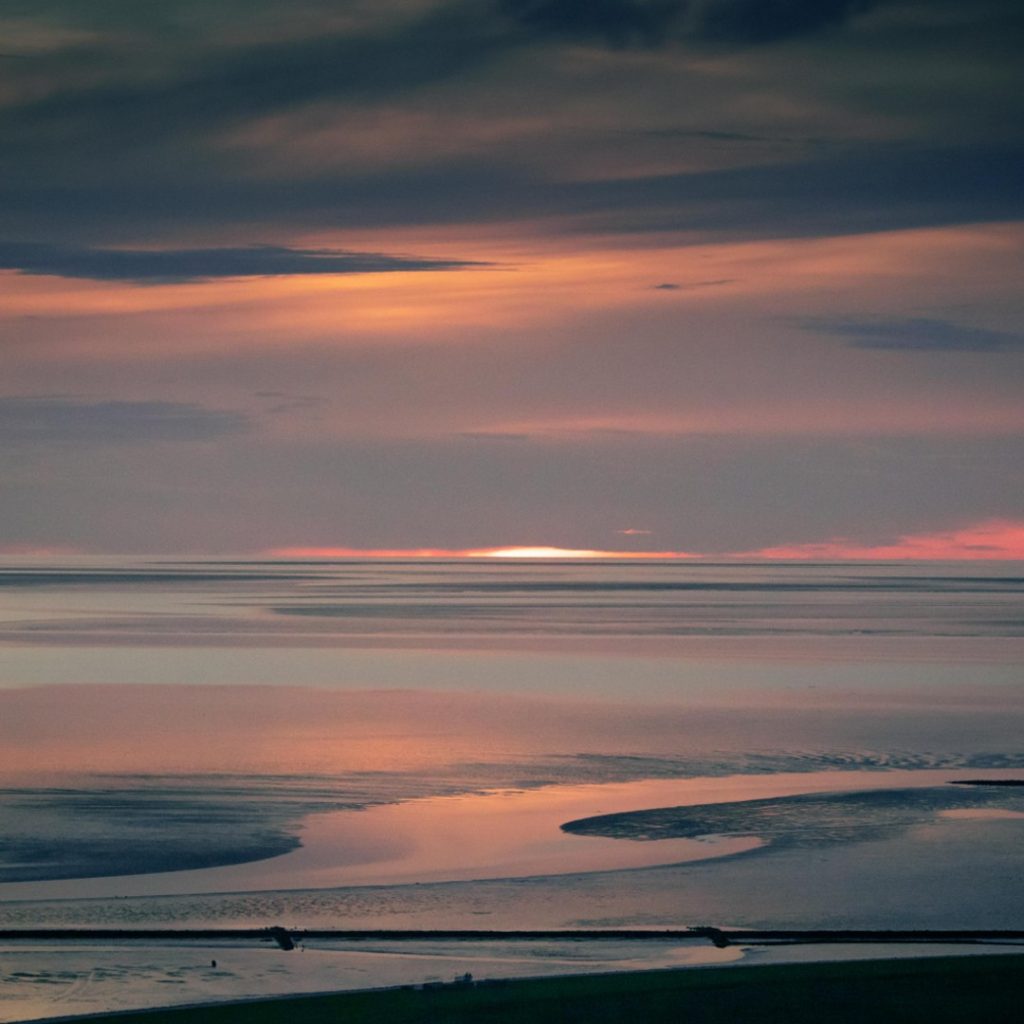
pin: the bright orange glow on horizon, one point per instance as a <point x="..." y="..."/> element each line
<point x="988" y="540"/>
<point x="542" y="552"/>
<point x="506" y="552"/>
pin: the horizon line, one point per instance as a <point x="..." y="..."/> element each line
<point x="984" y="541"/>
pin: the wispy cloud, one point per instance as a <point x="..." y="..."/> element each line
<point x="714" y="135"/>
<point x="62" y="418"/>
<point x="675" y="286"/>
<point x="917" y="334"/>
<point x="166" y="266"/>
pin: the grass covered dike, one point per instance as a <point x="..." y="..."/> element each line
<point x="930" y="991"/>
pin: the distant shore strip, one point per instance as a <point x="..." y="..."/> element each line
<point x="287" y="938"/>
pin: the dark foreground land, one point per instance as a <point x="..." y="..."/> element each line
<point x="940" y="990"/>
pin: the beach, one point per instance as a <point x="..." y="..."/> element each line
<point x="225" y="982"/>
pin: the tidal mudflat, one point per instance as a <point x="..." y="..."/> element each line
<point x="572" y="830"/>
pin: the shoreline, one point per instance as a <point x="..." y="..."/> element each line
<point x="715" y="935"/>
<point x="117" y="974"/>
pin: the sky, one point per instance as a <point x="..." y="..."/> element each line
<point x="707" y="277"/>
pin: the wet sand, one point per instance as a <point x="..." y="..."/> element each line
<point x="47" y="980"/>
<point x="502" y="834"/>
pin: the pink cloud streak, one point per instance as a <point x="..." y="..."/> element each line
<point x="988" y="540"/>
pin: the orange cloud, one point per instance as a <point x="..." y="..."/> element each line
<point x="534" y="280"/>
<point x="991" y="539"/>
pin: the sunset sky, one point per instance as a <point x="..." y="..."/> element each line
<point x="709" y="277"/>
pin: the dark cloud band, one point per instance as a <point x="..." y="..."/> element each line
<point x="49" y="418"/>
<point x="176" y="265"/>
<point x="918" y="334"/>
<point x="881" y="187"/>
<point x="765" y="21"/>
<point x="652" y="22"/>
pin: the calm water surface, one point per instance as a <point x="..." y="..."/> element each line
<point x="165" y="721"/>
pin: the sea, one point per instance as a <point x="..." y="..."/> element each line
<point x="497" y="744"/>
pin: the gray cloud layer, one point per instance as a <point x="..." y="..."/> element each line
<point x="257" y="80"/>
<point x="99" y="145"/>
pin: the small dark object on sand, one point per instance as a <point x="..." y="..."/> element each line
<point x="281" y="937"/>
